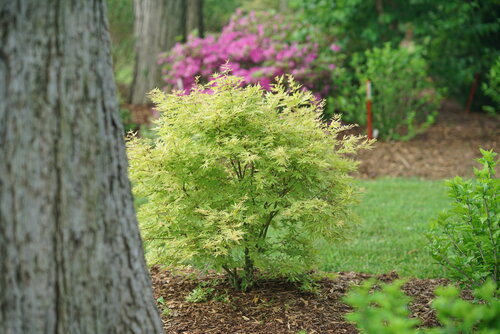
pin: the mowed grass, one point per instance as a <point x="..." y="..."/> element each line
<point x="394" y="217"/>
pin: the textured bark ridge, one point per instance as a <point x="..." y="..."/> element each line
<point x="71" y="258"/>
<point x="157" y="25"/>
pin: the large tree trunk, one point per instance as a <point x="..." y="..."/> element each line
<point x="71" y="258"/>
<point x="194" y="17"/>
<point x="158" y="24"/>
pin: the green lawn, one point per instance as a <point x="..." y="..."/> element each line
<point x="394" y="217"/>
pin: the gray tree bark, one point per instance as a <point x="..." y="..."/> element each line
<point x="71" y="258"/>
<point x="194" y="17"/>
<point x="157" y="26"/>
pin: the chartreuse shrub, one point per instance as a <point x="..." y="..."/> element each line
<point x="385" y="311"/>
<point x="239" y="178"/>
<point x="405" y="101"/>
<point x="466" y="238"/>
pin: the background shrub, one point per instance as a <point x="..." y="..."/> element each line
<point x="492" y="88"/>
<point x="259" y="47"/>
<point x="404" y="99"/>
<point x="239" y="179"/>
<point x="466" y="238"/>
<point x="460" y="38"/>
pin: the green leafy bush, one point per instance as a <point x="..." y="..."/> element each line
<point x="239" y="179"/>
<point x="404" y="99"/>
<point x="459" y="316"/>
<point x="385" y="311"/>
<point x="492" y="88"/>
<point x="466" y="238"/>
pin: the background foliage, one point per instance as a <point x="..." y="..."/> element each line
<point x="459" y="37"/>
<point x="492" y="88"/>
<point x="404" y="97"/>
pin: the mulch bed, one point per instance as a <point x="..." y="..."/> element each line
<point x="447" y="149"/>
<point x="274" y="306"/>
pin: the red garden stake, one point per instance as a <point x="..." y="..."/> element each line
<point x="472" y="92"/>
<point x="369" y="108"/>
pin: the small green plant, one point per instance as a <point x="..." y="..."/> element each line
<point x="200" y="294"/>
<point x="385" y="311"/>
<point x="382" y="311"/>
<point x="309" y="284"/>
<point x="466" y="238"/>
<point x="222" y="297"/>
<point x="492" y="88"/>
<point x="459" y="316"/>
<point x="405" y="101"/>
<point x="240" y="179"/>
<point x="165" y="310"/>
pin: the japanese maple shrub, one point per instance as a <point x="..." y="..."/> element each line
<point x="466" y="238"/>
<point x="240" y="179"/>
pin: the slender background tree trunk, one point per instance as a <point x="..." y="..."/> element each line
<point x="194" y="17"/>
<point x="158" y="25"/>
<point x="71" y="258"/>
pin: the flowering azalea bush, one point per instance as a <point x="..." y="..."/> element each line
<point x="257" y="47"/>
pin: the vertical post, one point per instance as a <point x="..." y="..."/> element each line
<point x="472" y="92"/>
<point x="369" y="109"/>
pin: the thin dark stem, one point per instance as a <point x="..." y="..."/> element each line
<point x="235" y="169"/>
<point x="233" y="277"/>
<point x="249" y="278"/>
<point x="263" y="232"/>
<point x="242" y="173"/>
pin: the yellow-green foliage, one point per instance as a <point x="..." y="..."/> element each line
<point x="239" y="178"/>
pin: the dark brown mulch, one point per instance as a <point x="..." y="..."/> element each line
<point x="445" y="150"/>
<point x="274" y="306"/>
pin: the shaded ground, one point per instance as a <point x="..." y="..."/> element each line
<point x="446" y="150"/>
<point x="274" y="306"/>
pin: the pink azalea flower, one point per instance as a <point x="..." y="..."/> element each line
<point x="335" y="48"/>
